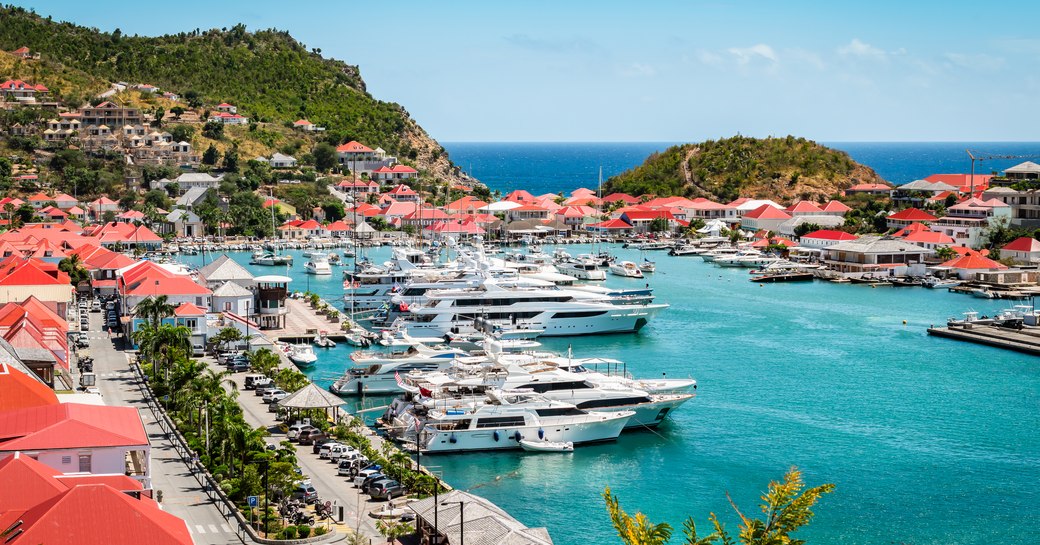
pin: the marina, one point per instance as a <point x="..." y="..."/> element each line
<point x="814" y="373"/>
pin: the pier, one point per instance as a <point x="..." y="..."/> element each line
<point x="302" y="323"/>
<point x="1025" y="340"/>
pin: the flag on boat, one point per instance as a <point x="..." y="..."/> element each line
<point x="397" y="377"/>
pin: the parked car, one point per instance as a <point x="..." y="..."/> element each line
<point x="95" y="306"/>
<point x="386" y="490"/>
<point x="338" y="451"/>
<point x="307" y="437"/>
<point x="295" y="429"/>
<point x="326" y="448"/>
<point x="366" y="485"/>
<point x="305" y="492"/>
<point x="238" y="366"/>
<point x="319" y="443"/>
<point x="366" y="474"/>
<point x="274" y="395"/>
<point x="262" y="389"/>
<point x="351" y="464"/>
<point x="254" y="381"/>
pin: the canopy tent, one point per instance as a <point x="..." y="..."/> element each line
<point x="713" y="227"/>
<point x="500" y="206"/>
<point x="312" y="397"/>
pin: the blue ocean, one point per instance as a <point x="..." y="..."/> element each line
<point x="553" y="167"/>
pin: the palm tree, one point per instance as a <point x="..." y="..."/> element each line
<point x="170" y="344"/>
<point x="154" y="309"/>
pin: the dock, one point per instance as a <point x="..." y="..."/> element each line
<point x="1025" y="340"/>
<point x="303" y="323"/>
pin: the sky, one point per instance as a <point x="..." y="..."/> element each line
<point x="658" y="71"/>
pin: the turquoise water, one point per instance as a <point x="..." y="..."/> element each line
<point x="929" y="441"/>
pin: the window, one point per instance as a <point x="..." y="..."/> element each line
<point x="84" y="463"/>
<point x="66" y="460"/>
<point x="191" y="323"/>
<point x="227" y="306"/>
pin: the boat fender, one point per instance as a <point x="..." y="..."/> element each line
<point x="452" y="439"/>
<point x="517" y="436"/>
<point x="495" y="435"/>
<point x="541" y="433"/>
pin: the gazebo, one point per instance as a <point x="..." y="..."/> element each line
<point x="312" y="397"/>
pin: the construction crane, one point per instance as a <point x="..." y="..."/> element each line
<point x="980" y="156"/>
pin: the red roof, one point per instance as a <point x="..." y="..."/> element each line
<point x="912" y="228"/>
<point x="623" y="197"/>
<point x="337" y="226"/>
<point x="71" y="425"/>
<point x="804" y="207"/>
<point x="615" y="223"/>
<point x="870" y="187"/>
<point x="29" y="272"/>
<point x="836" y="206"/>
<point x="648" y="214"/>
<point x="41" y="197"/>
<point x="768" y="212"/>
<point x="766" y="242"/>
<point x="353" y="147"/>
<point x="830" y="234"/>
<point x="962" y="181"/>
<point x="519" y="195"/>
<point x="302" y="122"/>
<point x="35" y="482"/>
<point x="912" y="214"/>
<point x="973" y="261"/>
<point x="72" y="516"/>
<point x="929" y="237"/>
<point x="19" y="391"/>
<point x="188" y="309"/>
<point x="1023" y="244"/>
<point x="401" y="189"/>
<point x="309" y="225"/>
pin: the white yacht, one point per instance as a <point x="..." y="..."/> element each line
<point x="557" y="312"/>
<point x="510" y="417"/>
<point x="711" y="255"/>
<point x="376" y="374"/>
<point x="582" y="269"/>
<point x="318" y="264"/>
<point x="626" y="269"/>
<point x="270" y="259"/>
<point x="647" y="266"/>
<point x="301" y="354"/>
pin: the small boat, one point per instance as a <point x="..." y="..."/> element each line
<point x="301" y="354"/>
<point x="686" y="249"/>
<point x="647" y="266"/>
<point x="324" y="341"/>
<point x="939" y="283"/>
<point x="983" y="293"/>
<point x="546" y="446"/>
<point x="271" y="259"/>
<point x="784" y="277"/>
<point x="626" y="269"/>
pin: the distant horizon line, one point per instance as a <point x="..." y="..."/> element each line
<point x="690" y="141"/>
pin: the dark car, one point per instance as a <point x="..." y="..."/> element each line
<point x="305" y="492"/>
<point x="371" y="479"/>
<point x="238" y="366"/>
<point x="386" y="490"/>
<point x="318" y="443"/>
<point x="307" y="437"/>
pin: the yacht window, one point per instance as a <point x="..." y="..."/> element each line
<point x="500" y="422"/>
<point x="542" y="387"/>
<point x="615" y="402"/>
<point x="580" y="314"/>
<point x="561" y="411"/>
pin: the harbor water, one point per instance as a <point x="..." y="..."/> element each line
<point x="928" y="441"/>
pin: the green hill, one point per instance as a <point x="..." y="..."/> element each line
<point x="269" y="75"/>
<point x="787" y="168"/>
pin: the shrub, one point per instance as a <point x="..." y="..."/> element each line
<point x="320" y="531"/>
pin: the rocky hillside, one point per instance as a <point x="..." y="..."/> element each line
<point x="269" y="75"/>
<point x="782" y="169"/>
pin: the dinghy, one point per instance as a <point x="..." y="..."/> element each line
<point x="546" y="446"/>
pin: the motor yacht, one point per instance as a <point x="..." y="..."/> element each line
<point x="582" y="269"/>
<point x="626" y="269"/>
<point x="318" y="264"/>
<point x="271" y="259"/>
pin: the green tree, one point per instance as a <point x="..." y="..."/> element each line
<point x="264" y="361"/>
<point x="154" y="309"/>
<point x="74" y="268"/>
<point x="805" y="228"/>
<point x="159" y="114"/>
<point x="226" y="337"/>
<point x="659" y="225"/>
<point x="394" y="529"/>
<point x="210" y="156"/>
<point x="945" y="253"/>
<point x="324" y="157"/>
<point x="213" y="130"/>
<point x="157" y="198"/>
<point x="182" y="133"/>
<point x="787" y="507"/>
<point x="231" y="159"/>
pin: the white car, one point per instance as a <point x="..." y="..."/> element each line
<point x="338" y="451"/>
<point x="95" y="306"/>
<point x="295" y="429"/>
<point x="271" y="396"/>
<point x="326" y="448"/>
<point x="364" y="474"/>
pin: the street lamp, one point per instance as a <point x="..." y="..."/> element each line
<point x="462" y="521"/>
<point x="266" y="464"/>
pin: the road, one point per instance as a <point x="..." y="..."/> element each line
<point x="322" y="473"/>
<point x="182" y="495"/>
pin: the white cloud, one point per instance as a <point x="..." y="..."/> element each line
<point x="745" y="55"/>
<point x="709" y="57"/>
<point x="978" y="61"/>
<point x="863" y="50"/>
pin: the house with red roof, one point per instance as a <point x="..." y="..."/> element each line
<point x="1024" y="250"/>
<point x="907" y="216"/>
<point x="456" y="228"/>
<point x="148" y="279"/>
<point x="226" y="118"/>
<point x="65" y="202"/>
<point x="527" y="212"/>
<point x="640" y="220"/>
<point x="967" y="222"/>
<point x="403" y="193"/>
<point x="577" y="216"/>
<point x="707" y="210"/>
<point x="869" y="189"/>
<point x="304" y="125"/>
<point x="614" y="226"/>
<point x="967" y="266"/>
<point x="40" y="200"/>
<point x="766" y="216"/>
<point x="52" y="507"/>
<point x="21" y="278"/>
<point x="394" y="173"/>
<point x="824" y="238"/>
<point x="99" y="206"/>
<point x="394" y="211"/>
<point x="16" y="90"/>
<point x="126" y="235"/>
<point x="227" y="108"/>
<point x="931" y="240"/>
<point x="363" y="187"/>
<point x="359" y="158"/>
<point x="804" y="208"/>
<point x="75" y="438"/>
<point x="519" y="196"/>
<point x="466" y="205"/>
<point x="835" y="208"/>
<point x="424" y="217"/>
<point x="963" y="182"/>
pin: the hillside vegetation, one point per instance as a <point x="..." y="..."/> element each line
<point x="787" y="168"/>
<point x="269" y="75"/>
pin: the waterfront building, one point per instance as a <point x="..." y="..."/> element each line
<point x="1024" y="250"/>
<point x="967" y="222"/>
<point x="707" y="210"/>
<point x="967" y="266"/>
<point x="874" y="254"/>
<point x="224" y="269"/>
<point x="449" y="518"/>
<point x="824" y="238"/>
<point x="930" y="240"/>
<point x="182" y="224"/>
<point x="765" y="216"/>
<point x="789" y="228"/>
<point x="149" y="279"/>
<point x="271" y="309"/>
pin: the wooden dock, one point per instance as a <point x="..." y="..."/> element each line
<point x="303" y="323"/>
<point x="1025" y="340"/>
